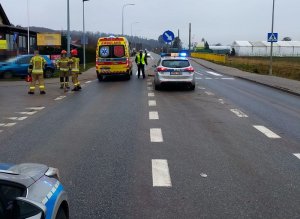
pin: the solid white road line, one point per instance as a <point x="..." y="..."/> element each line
<point x="152" y="103"/>
<point x="156" y="135"/>
<point x="266" y="131"/>
<point x="227" y="78"/>
<point x="297" y="155"/>
<point x="208" y="78"/>
<point x="7" y="124"/>
<point x="238" y="113"/>
<point x="202" y="88"/>
<point x="221" y="101"/>
<point x="213" y="73"/>
<point x="27" y="113"/>
<point x="17" y="118"/>
<point x="160" y="173"/>
<point x="198" y="78"/>
<point x="36" y="108"/>
<point x="209" y="93"/>
<point x="151" y="95"/>
<point x="153" y="115"/>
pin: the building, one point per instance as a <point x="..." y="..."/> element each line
<point x="16" y="38"/>
<point x="263" y="48"/>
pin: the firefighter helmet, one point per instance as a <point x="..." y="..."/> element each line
<point x="63" y="52"/>
<point x="74" y="52"/>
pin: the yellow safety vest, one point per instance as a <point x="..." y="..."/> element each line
<point x="37" y="63"/>
<point x="75" y="64"/>
<point x="64" y="64"/>
<point x="141" y="60"/>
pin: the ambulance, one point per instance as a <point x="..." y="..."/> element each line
<point x="113" y="57"/>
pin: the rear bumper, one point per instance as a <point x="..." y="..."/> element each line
<point x="161" y="79"/>
<point x="112" y="73"/>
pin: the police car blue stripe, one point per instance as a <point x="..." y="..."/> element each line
<point x="52" y="200"/>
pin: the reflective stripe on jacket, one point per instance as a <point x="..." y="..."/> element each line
<point x="140" y="60"/>
<point x="75" y="64"/>
<point x="64" y="64"/>
<point x="37" y="63"/>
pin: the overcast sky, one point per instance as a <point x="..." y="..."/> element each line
<point x="215" y="20"/>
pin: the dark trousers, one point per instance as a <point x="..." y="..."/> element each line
<point x="141" y="67"/>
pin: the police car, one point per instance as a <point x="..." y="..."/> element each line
<point x="174" y="68"/>
<point x="32" y="191"/>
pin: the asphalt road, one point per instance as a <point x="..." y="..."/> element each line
<point x="226" y="150"/>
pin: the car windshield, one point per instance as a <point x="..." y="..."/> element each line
<point x="175" y="63"/>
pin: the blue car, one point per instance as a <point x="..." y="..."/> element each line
<point x="32" y="191"/>
<point x="18" y="67"/>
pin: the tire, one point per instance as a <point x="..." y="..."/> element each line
<point x="61" y="214"/>
<point x="127" y="77"/>
<point x="48" y="73"/>
<point x="192" y="87"/>
<point x="157" y="87"/>
<point x="100" y="78"/>
<point x="7" y="75"/>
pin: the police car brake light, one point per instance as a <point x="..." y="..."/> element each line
<point x="189" y="69"/>
<point x="161" y="68"/>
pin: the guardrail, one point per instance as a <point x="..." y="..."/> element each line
<point x="210" y="57"/>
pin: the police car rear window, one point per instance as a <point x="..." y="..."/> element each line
<point x="175" y="63"/>
<point x="112" y="51"/>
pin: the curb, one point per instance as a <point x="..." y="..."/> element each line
<point x="254" y="81"/>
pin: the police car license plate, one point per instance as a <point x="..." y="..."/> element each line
<point x="175" y="73"/>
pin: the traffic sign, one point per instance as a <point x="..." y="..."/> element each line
<point x="272" y="37"/>
<point x="168" y="36"/>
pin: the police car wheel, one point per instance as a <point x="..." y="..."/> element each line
<point x="192" y="87"/>
<point x="157" y="87"/>
<point x="61" y="214"/>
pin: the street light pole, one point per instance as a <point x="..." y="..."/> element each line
<point x="123" y="16"/>
<point x="28" y="36"/>
<point x="68" y="28"/>
<point x="84" y="41"/>
<point x="272" y="31"/>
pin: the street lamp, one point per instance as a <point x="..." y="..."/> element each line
<point x="123" y="16"/>
<point x="271" y="55"/>
<point x="84" y="41"/>
<point x="28" y="42"/>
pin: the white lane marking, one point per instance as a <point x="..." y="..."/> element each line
<point x="297" y="155"/>
<point x="266" y="131"/>
<point x="36" y="108"/>
<point x="208" y="78"/>
<point x="238" y="113"/>
<point x="150" y="88"/>
<point x="152" y="103"/>
<point x="213" y="73"/>
<point x="149" y="83"/>
<point x="221" y="101"/>
<point x="156" y="135"/>
<point x="198" y="78"/>
<point x="227" y="78"/>
<point x="209" y="93"/>
<point x="199" y="73"/>
<point x="87" y="82"/>
<point x="160" y="173"/>
<point x="27" y="113"/>
<point x="7" y="124"/>
<point x="202" y="88"/>
<point x="17" y="118"/>
<point x="60" y="98"/>
<point x="151" y="95"/>
<point x="153" y="115"/>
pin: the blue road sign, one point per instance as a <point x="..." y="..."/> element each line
<point x="168" y="36"/>
<point x="272" y="37"/>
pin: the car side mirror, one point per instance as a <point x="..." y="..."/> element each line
<point x="25" y="208"/>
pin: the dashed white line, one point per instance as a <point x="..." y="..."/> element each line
<point x="60" y="98"/>
<point x="208" y="78"/>
<point x="199" y="73"/>
<point x="239" y="113"/>
<point x="36" y="108"/>
<point x="156" y="135"/>
<point x="17" y="118"/>
<point x="150" y="88"/>
<point x="202" y="88"/>
<point x="221" y="101"/>
<point x="27" y="113"/>
<point x="153" y="115"/>
<point x="149" y="83"/>
<point x="213" y="73"/>
<point x="266" y="131"/>
<point x="297" y="155"/>
<point x="87" y="82"/>
<point x="151" y="95"/>
<point x="227" y="78"/>
<point x="209" y="93"/>
<point x="7" y="124"/>
<point x="152" y="103"/>
<point x="198" y="78"/>
<point x="160" y="173"/>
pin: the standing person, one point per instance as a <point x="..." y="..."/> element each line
<point x="36" y="69"/>
<point x="75" y="70"/>
<point x="64" y="69"/>
<point x="141" y="60"/>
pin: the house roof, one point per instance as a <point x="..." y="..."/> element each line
<point x="4" y="17"/>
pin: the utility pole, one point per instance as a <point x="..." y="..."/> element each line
<point x="190" y="31"/>
<point x="68" y="29"/>
<point x="272" y="31"/>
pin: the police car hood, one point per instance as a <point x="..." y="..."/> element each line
<point x="25" y="173"/>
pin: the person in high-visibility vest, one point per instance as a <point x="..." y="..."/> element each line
<point x="75" y="70"/>
<point x="36" y="70"/>
<point x="64" y="70"/>
<point x="141" y="60"/>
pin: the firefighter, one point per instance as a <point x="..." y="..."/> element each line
<point x="64" y="70"/>
<point x="75" y="70"/>
<point x="141" y="60"/>
<point x="36" y="70"/>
